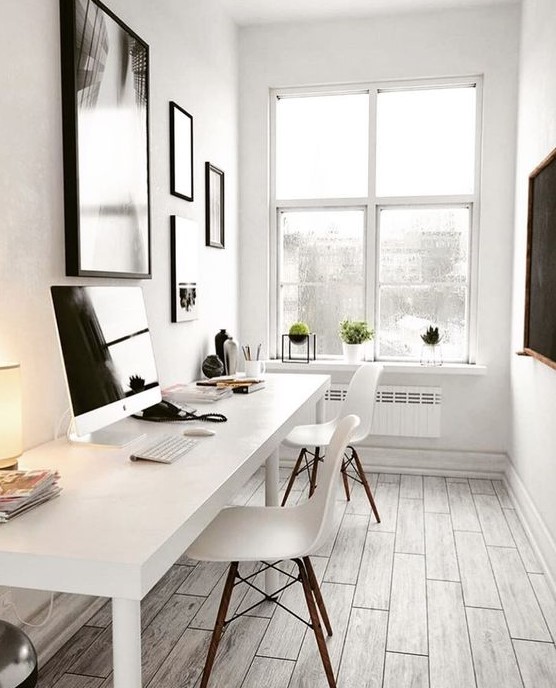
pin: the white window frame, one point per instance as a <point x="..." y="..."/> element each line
<point x="372" y="203"/>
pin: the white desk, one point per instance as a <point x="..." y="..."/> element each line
<point x="119" y="525"/>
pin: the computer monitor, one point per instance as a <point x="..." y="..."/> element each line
<point x="108" y="358"/>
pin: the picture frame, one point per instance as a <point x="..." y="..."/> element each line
<point x="105" y="107"/>
<point x="539" y="339"/>
<point x="214" y="201"/>
<point x="184" y="240"/>
<point x="181" y="152"/>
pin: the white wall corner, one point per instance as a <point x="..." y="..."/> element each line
<point x="539" y="535"/>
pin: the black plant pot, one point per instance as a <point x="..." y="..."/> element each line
<point x="298" y="338"/>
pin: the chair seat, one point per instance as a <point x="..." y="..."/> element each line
<point x="245" y="533"/>
<point x="315" y="435"/>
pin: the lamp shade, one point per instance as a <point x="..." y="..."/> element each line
<point x="11" y="440"/>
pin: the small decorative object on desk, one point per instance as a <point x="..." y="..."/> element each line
<point x="354" y="334"/>
<point x="219" y="340"/>
<point x="431" y="353"/>
<point x="212" y="366"/>
<point x="23" y="490"/>
<point x="230" y="356"/>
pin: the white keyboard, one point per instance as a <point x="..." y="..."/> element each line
<point x="163" y="448"/>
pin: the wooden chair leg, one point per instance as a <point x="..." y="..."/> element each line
<point x="317" y="594"/>
<point x="219" y="626"/>
<point x="313" y="479"/>
<point x="315" y="623"/>
<point x="343" y="471"/>
<point x="363" y="478"/>
<point x="293" y="475"/>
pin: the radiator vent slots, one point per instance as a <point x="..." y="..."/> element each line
<point x="399" y="411"/>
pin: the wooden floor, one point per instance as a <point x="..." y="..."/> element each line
<point x="446" y="592"/>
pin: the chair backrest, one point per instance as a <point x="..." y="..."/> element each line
<point x="319" y="509"/>
<point x="360" y="397"/>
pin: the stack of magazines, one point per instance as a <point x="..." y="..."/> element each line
<point x="191" y="393"/>
<point x="23" y="490"/>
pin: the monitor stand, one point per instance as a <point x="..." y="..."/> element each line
<point x="111" y="436"/>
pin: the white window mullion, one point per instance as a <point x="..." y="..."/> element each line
<point x="273" y="239"/>
<point x="371" y="270"/>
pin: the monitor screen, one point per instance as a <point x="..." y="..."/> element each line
<point x="107" y="353"/>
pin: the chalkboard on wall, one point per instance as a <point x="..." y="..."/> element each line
<point x="540" y="291"/>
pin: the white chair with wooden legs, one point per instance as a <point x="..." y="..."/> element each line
<point x="360" y="400"/>
<point x="274" y="534"/>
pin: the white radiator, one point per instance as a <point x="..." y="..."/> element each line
<point x="399" y="411"/>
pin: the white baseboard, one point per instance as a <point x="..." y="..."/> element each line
<point x="424" y="461"/>
<point x="541" y="539"/>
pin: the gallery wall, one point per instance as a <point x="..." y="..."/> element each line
<point x="533" y="431"/>
<point x="450" y="43"/>
<point x="193" y="61"/>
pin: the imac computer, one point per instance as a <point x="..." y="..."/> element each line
<point x="108" y="359"/>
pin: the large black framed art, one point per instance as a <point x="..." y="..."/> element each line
<point x="105" y="102"/>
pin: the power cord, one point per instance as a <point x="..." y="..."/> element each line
<point x="63" y="417"/>
<point x="11" y="604"/>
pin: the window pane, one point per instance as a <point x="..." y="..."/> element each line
<point x="322" y="272"/>
<point x="426" y="142"/>
<point x="423" y="279"/>
<point x="406" y="312"/>
<point x="322" y="146"/>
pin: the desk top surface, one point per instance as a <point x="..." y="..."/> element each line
<point x="118" y="525"/>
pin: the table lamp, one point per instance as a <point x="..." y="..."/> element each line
<point x="11" y="439"/>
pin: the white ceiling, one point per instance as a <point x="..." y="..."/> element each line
<point x="247" y="12"/>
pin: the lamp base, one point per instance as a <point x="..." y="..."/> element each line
<point x="9" y="463"/>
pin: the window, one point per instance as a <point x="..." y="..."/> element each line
<point x="374" y="199"/>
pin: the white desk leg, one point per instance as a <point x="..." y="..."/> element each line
<point x="320" y="410"/>
<point x="272" y="481"/>
<point x="126" y="642"/>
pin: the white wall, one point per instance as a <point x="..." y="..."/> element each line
<point x="193" y="54"/>
<point x="533" y="430"/>
<point x="451" y="43"/>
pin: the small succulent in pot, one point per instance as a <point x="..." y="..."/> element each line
<point x="431" y="337"/>
<point x="298" y="332"/>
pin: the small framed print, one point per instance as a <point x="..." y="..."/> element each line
<point x="214" y="186"/>
<point x="181" y="152"/>
<point x="184" y="269"/>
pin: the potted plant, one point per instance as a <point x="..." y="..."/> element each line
<point x="354" y="333"/>
<point x="431" y="354"/>
<point x="298" y="332"/>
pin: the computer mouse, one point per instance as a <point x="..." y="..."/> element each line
<point x="198" y="431"/>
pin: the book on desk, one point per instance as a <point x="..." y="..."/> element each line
<point x="238" y="385"/>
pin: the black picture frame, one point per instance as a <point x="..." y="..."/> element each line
<point x="181" y="152"/>
<point x="214" y="206"/>
<point x="184" y="271"/>
<point x="540" y="282"/>
<point x="105" y="107"/>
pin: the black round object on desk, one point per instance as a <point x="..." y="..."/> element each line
<point x="212" y="367"/>
<point x="18" y="659"/>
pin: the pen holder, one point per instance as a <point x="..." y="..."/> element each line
<point x="254" y="368"/>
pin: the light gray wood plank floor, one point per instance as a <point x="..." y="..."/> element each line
<point x="445" y="591"/>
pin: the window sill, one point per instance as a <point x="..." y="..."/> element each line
<point x="412" y="368"/>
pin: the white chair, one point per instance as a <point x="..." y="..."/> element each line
<point x="360" y="400"/>
<point x="274" y="534"/>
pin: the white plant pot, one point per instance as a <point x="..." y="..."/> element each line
<point x="353" y="353"/>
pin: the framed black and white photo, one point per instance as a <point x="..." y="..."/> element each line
<point x="181" y="152"/>
<point x="105" y="100"/>
<point x="214" y="192"/>
<point x="184" y="269"/>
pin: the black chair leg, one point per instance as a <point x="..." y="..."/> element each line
<point x="313" y="479"/>
<point x="220" y="622"/>
<point x="317" y="594"/>
<point x="365" y="482"/>
<point x="293" y="475"/>
<point x="315" y="624"/>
